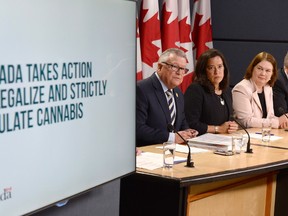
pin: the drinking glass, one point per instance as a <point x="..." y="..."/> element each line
<point x="237" y="143"/>
<point x="266" y="130"/>
<point x="168" y="154"/>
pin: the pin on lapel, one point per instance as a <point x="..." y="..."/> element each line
<point x="176" y="94"/>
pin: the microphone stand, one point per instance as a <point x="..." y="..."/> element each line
<point x="248" y="149"/>
<point x="189" y="163"/>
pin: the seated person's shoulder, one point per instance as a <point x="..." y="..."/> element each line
<point x="144" y="85"/>
<point x="243" y="86"/>
<point x="142" y="82"/>
<point x="195" y="87"/>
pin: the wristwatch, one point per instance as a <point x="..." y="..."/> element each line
<point x="216" y="129"/>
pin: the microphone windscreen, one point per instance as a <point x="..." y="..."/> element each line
<point x="170" y="127"/>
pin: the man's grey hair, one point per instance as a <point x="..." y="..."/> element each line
<point x="165" y="55"/>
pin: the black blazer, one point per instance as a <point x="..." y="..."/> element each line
<point x="152" y="112"/>
<point x="280" y="94"/>
<point x="203" y="108"/>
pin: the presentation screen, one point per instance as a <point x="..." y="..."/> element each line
<point x="67" y="99"/>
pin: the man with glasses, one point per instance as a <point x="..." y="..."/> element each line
<point x="160" y="103"/>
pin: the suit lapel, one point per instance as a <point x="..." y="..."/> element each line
<point x="160" y="95"/>
<point x="267" y="99"/>
<point x="256" y="99"/>
<point x="267" y="94"/>
<point x="255" y="96"/>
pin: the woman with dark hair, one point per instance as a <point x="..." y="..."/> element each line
<point x="253" y="96"/>
<point x="208" y="100"/>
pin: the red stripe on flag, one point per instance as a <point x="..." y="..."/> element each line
<point x="186" y="40"/>
<point x="202" y="29"/>
<point x="170" y="26"/>
<point x="139" y="75"/>
<point x="150" y="36"/>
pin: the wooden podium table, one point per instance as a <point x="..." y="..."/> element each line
<point x="242" y="184"/>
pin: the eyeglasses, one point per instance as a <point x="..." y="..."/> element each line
<point x="176" y="69"/>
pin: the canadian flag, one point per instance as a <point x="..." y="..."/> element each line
<point x="201" y="25"/>
<point x="175" y="31"/>
<point x="186" y="40"/>
<point x="150" y="36"/>
<point x="139" y="75"/>
<point x="170" y="26"/>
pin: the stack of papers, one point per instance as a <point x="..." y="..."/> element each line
<point x="221" y="142"/>
<point x="212" y="142"/>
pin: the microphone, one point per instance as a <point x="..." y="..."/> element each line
<point x="248" y="149"/>
<point x="282" y="111"/>
<point x="189" y="162"/>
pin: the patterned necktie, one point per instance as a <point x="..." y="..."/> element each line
<point x="171" y="105"/>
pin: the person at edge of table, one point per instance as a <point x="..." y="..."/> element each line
<point x="253" y="96"/>
<point x="153" y="117"/>
<point x="208" y="100"/>
<point x="280" y="90"/>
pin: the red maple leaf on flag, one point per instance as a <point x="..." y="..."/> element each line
<point x="201" y="34"/>
<point x="185" y="29"/>
<point x="170" y="31"/>
<point x="148" y="49"/>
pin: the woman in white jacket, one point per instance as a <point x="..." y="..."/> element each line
<point x="253" y="96"/>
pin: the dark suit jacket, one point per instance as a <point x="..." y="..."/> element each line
<point x="280" y="94"/>
<point x="203" y="108"/>
<point x="152" y="112"/>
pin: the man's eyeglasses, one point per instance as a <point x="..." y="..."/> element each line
<point x="176" y="68"/>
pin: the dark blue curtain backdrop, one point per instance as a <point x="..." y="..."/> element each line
<point x="241" y="29"/>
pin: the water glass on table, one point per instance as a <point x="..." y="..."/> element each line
<point x="266" y="130"/>
<point x="237" y="143"/>
<point x="168" y="154"/>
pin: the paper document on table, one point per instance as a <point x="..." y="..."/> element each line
<point x="259" y="136"/>
<point x="211" y="142"/>
<point x="184" y="149"/>
<point x="151" y="161"/>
